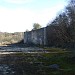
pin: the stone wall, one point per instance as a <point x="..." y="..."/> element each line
<point x="37" y="37"/>
<point x="52" y="36"/>
<point x="44" y="36"/>
<point x="49" y="36"/>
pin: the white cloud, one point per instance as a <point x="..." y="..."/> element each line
<point x="46" y="15"/>
<point x="18" y="1"/>
<point x="16" y="20"/>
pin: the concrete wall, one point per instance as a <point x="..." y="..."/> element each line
<point x="45" y="36"/>
<point x="52" y="36"/>
<point x="37" y="37"/>
<point x="49" y="36"/>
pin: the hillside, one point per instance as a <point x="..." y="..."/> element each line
<point x="10" y="38"/>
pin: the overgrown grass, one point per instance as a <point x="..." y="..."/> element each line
<point x="53" y="49"/>
<point x="64" y="59"/>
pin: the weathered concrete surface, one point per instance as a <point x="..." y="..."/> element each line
<point x="46" y="36"/>
<point x="37" y="37"/>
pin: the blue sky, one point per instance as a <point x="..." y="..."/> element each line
<point x="19" y="15"/>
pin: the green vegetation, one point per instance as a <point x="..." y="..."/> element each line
<point x="65" y="22"/>
<point x="55" y="49"/>
<point x="36" y="26"/>
<point x="39" y="63"/>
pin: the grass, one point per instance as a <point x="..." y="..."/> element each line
<point x="38" y="62"/>
<point x="53" y="49"/>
